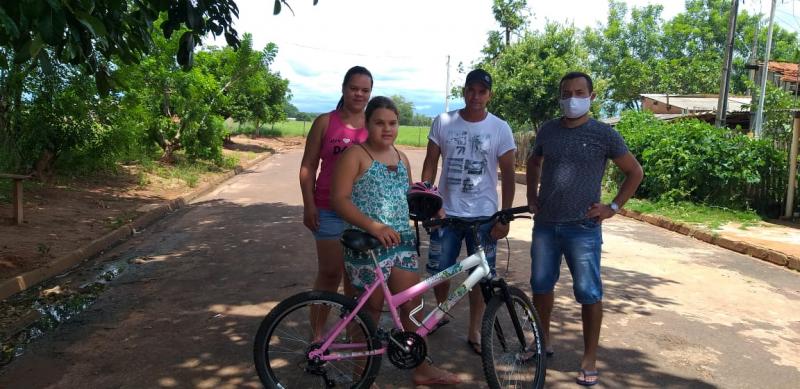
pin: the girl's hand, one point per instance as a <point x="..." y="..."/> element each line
<point x="311" y="218"/>
<point x="385" y="234"/>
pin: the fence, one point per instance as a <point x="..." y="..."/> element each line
<point x="524" y="141"/>
<point x="769" y="195"/>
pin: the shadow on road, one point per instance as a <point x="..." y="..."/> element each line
<point x="186" y="313"/>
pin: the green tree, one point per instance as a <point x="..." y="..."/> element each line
<point x="250" y="91"/>
<point x="95" y="37"/>
<point x="625" y="52"/>
<point x="694" y="43"/>
<point x="405" y="108"/>
<point x="421" y="120"/>
<point x="526" y="75"/>
<point x="511" y="16"/>
<point x="637" y="52"/>
<point x="175" y="106"/>
<point x="290" y="110"/>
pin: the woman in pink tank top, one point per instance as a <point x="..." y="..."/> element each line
<point x="328" y="137"/>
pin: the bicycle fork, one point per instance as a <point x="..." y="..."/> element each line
<point x="488" y="289"/>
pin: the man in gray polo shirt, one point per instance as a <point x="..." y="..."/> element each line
<point x="569" y="159"/>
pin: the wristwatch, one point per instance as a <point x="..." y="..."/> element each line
<point x="614" y="207"/>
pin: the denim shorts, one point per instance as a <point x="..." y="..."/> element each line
<point x="580" y="244"/>
<point x="331" y="225"/>
<point x="445" y="246"/>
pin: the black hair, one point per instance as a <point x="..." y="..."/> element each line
<point x="380" y="102"/>
<point x="347" y="76"/>
<point x="573" y="75"/>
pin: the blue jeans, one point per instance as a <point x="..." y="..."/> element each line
<point x="331" y="226"/>
<point x="446" y="245"/>
<point x="580" y="243"/>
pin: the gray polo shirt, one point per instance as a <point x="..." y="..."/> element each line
<point x="574" y="162"/>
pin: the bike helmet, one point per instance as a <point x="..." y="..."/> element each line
<point x="424" y="201"/>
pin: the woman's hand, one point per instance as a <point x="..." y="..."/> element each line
<point x="311" y="217"/>
<point x="385" y="234"/>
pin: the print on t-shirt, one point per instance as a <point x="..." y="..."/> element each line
<point x="338" y="149"/>
<point x="466" y="168"/>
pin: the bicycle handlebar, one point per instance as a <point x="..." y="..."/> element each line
<point x="504" y="215"/>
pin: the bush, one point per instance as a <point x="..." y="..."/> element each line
<point x="695" y="161"/>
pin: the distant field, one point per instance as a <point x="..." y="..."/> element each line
<point x="409" y="135"/>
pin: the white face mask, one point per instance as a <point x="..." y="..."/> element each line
<point x="575" y="107"/>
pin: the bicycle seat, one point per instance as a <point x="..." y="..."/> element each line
<point x="359" y="241"/>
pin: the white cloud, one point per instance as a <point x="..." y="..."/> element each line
<point x="404" y="43"/>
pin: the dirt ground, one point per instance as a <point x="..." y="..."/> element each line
<point x="69" y="213"/>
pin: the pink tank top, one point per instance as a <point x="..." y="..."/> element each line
<point x="337" y="138"/>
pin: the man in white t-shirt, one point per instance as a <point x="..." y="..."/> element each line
<point x="472" y="143"/>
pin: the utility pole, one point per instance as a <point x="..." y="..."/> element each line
<point x="722" y="104"/>
<point x="447" y="87"/>
<point x="752" y="69"/>
<point x="764" y="71"/>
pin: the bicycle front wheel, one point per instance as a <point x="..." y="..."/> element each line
<point x="297" y="326"/>
<point x="511" y="361"/>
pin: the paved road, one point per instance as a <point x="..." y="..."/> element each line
<point x="679" y="313"/>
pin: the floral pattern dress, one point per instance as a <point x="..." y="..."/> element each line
<point x="380" y="194"/>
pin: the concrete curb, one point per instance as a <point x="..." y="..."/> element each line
<point x="71" y="259"/>
<point x="753" y="250"/>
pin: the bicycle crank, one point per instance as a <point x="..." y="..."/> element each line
<point x="407" y="350"/>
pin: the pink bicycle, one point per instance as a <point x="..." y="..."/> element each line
<point x="290" y="353"/>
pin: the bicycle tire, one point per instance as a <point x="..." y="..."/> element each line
<point x="507" y="362"/>
<point x="277" y="370"/>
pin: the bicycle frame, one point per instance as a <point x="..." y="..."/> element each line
<point x="476" y="260"/>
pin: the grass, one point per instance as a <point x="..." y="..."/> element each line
<point x="408" y="136"/>
<point x="189" y="172"/>
<point x="709" y="216"/>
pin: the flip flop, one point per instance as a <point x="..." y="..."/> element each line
<point x="438" y="325"/>
<point x="584" y="374"/>
<point x="448" y="379"/>
<point x="474" y="346"/>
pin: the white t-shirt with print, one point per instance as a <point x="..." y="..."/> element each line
<point x="470" y="152"/>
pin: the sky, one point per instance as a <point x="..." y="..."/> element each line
<point x="406" y="43"/>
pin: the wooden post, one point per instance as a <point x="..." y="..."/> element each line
<point x="17" y="200"/>
<point x="16" y="195"/>
<point x="792" y="184"/>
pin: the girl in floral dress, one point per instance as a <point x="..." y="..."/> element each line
<point x="369" y="192"/>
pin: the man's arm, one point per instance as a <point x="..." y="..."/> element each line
<point x="431" y="164"/>
<point x="632" y="170"/>
<point x="508" y="184"/>
<point x="533" y="173"/>
<point x="507" y="187"/>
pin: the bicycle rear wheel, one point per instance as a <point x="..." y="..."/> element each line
<point x="286" y="336"/>
<point x="508" y="361"/>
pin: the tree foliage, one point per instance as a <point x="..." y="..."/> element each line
<point x="56" y="55"/>
<point x="694" y="161"/>
<point x="185" y="109"/>
<point x="526" y="75"/>
<point x="511" y="15"/>
<point x="637" y="52"/>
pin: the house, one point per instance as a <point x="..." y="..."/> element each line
<point x="690" y="104"/>
<point x="703" y="107"/>
<point x="784" y="75"/>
